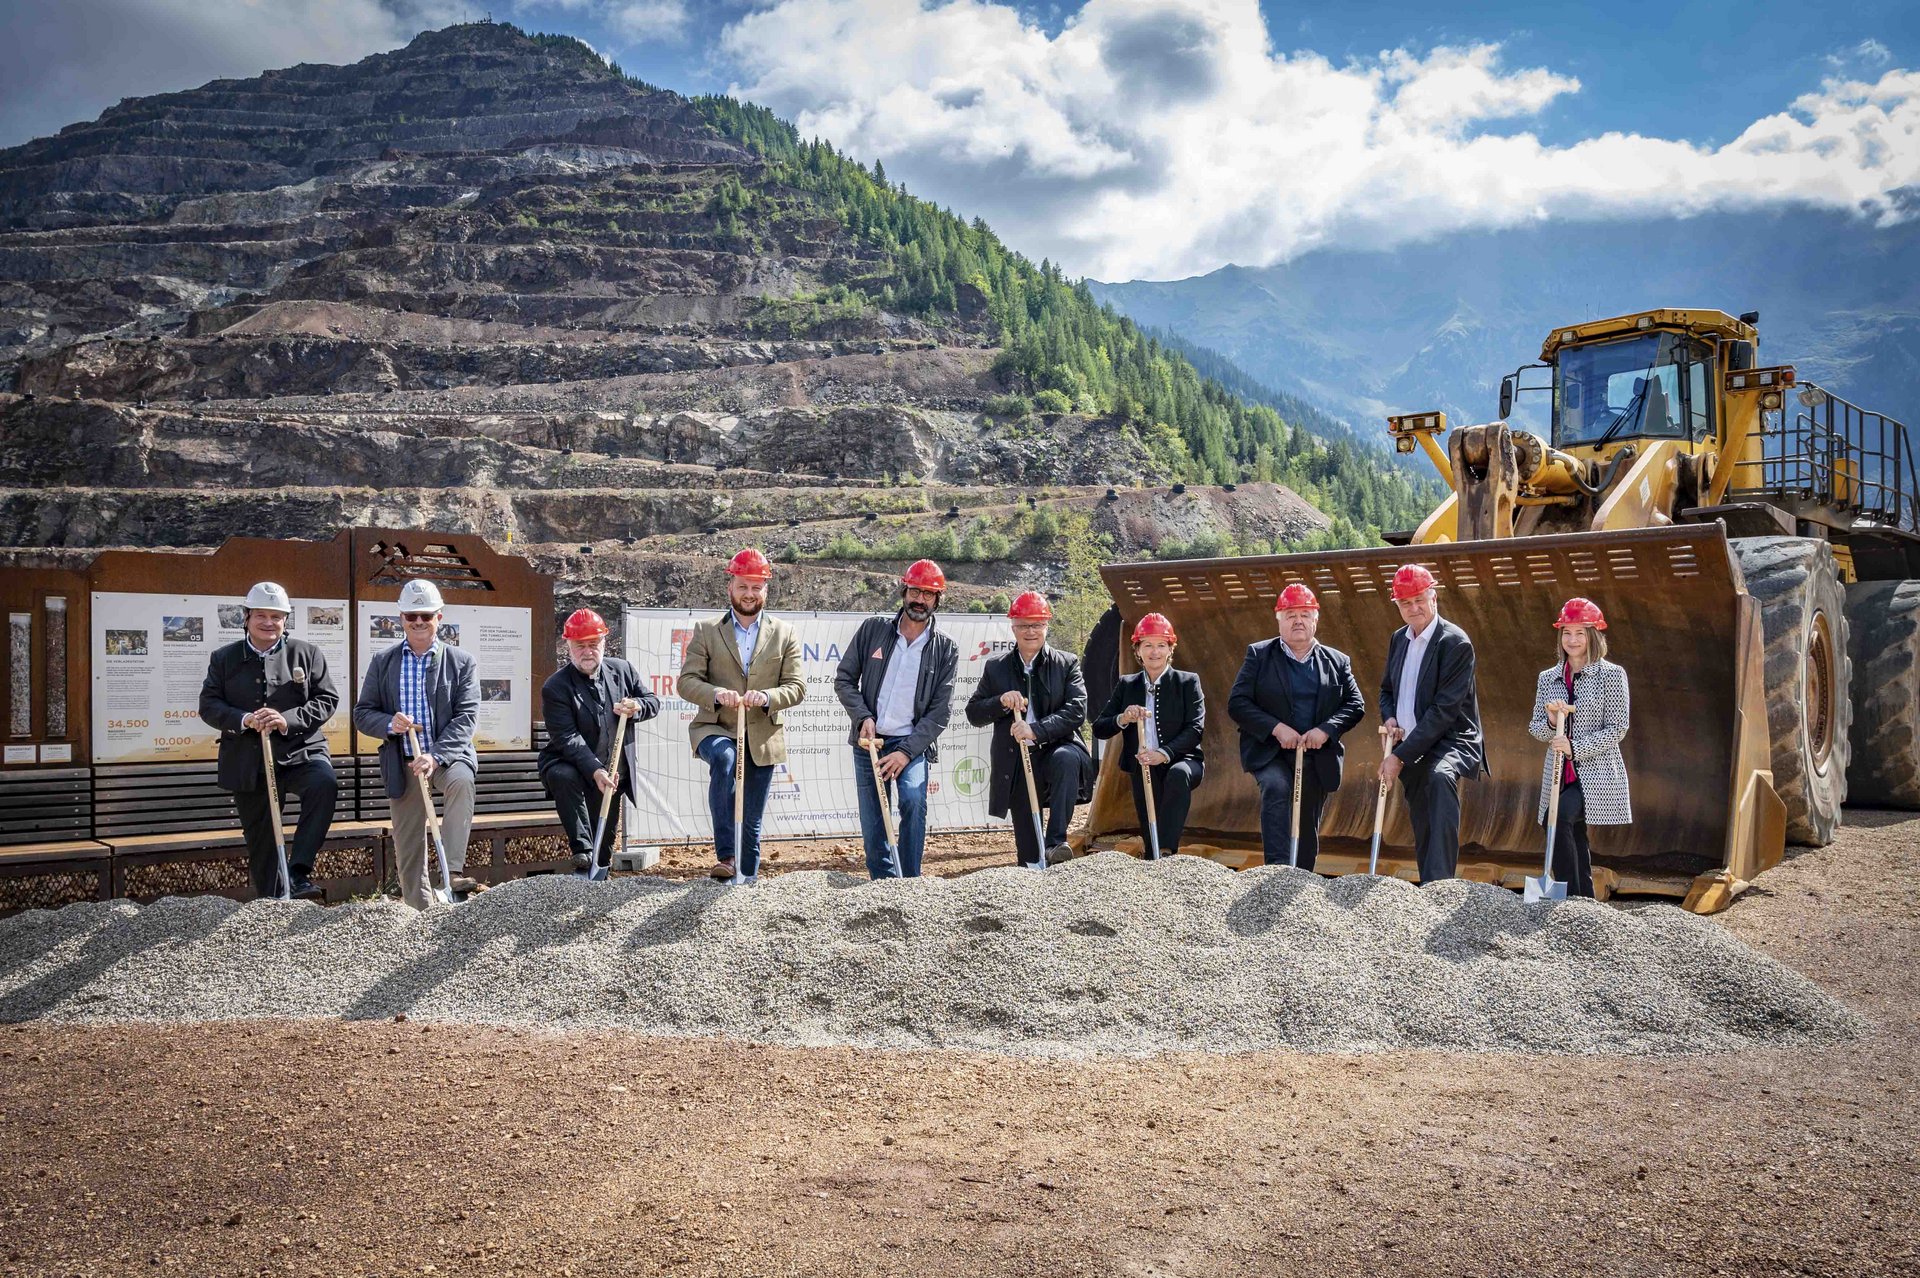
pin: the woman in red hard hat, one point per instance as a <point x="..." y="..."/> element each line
<point x="1034" y="695"/>
<point x="741" y="662"/>
<point x="1593" y="775"/>
<point x="1294" y="694"/>
<point x="895" y="681"/>
<point x="1161" y="714"/>
<point x="580" y="702"/>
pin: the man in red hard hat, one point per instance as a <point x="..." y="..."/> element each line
<point x="1035" y="695"/>
<point x="741" y="662"/>
<point x="1432" y="714"/>
<point x="1294" y="693"/>
<point x="896" y="681"/>
<point x="581" y="701"/>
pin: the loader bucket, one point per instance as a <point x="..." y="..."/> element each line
<point x="1681" y="624"/>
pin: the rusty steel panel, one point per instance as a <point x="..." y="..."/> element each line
<point x="1672" y="598"/>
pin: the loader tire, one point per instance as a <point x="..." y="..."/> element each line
<point x="1883" y="620"/>
<point x="1808" y="677"/>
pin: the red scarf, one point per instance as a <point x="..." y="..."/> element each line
<point x="1566" y="764"/>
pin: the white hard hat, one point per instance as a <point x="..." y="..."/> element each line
<point x="271" y="595"/>
<point x="420" y="596"/>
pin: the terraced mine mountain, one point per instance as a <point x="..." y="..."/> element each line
<point x="486" y="283"/>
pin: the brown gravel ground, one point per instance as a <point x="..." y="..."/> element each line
<point x="382" y="1148"/>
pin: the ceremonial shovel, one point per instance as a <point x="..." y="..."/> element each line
<point x="1379" y="808"/>
<point x="1299" y="770"/>
<point x="597" y="871"/>
<point x="1544" y="888"/>
<point x="433" y="823"/>
<point x="273" y="804"/>
<point x="880" y="788"/>
<point x="1033" y="797"/>
<point x="740" y="795"/>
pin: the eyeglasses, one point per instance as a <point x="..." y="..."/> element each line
<point x="419" y="618"/>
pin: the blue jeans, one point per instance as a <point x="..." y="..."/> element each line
<point x="718" y="752"/>
<point x="909" y="813"/>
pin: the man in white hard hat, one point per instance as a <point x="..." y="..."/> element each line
<point x="433" y="687"/>
<point x="269" y="680"/>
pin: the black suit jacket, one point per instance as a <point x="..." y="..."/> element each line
<point x="863" y="666"/>
<point x="1059" y="700"/>
<point x="573" y="729"/>
<point x="1445" y="705"/>
<point x="239" y="682"/>
<point x="1262" y="697"/>
<point x="1182" y="718"/>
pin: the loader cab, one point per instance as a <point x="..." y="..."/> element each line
<point x="1649" y="385"/>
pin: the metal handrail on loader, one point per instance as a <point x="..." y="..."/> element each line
<point x="1682" y="622"/>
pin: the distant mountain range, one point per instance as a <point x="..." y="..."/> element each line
<point x="1436" y="325"/>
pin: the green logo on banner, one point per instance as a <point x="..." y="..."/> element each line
<point x="970" y="776"/>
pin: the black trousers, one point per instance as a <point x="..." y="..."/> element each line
<point x="1433" y="801"/>
<point x="314" y="781"/>
<point x="1172" y="796"/>
<point x="1059" y="772"/>
<point x="1276" y="812"/>
<point x="1572" y="858"/>
<point x="577" y="800"/>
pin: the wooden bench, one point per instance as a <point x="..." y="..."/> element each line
<point x="46" y="876"/>
<point x="352" y="862"/>
<point x="45" y="805"/>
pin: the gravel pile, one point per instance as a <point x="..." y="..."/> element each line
<point x="1105" y="955"/>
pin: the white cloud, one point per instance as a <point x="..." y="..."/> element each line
<point x="1157" y="138"/>
<point x="649" y="19"/>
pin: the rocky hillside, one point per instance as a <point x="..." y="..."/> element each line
<point x="485" y="283"/>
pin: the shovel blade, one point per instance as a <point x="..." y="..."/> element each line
<point x="1541" y="887"/>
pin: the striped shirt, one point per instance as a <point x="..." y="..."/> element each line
<point x="414" y="702"/>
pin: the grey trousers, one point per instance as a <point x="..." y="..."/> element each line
<point x="413" y="850"/>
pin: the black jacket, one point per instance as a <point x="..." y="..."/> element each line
<point x="1182" y="720"/>
<point x="1445" y="705"/>
<point x="453" y="693"/>
<point x="864" y="664"/>
<point x="1059" y="701"/>
<point x="573" y="729"/>
<point x="239" y="682"/>
<point x="1262" y="697"/>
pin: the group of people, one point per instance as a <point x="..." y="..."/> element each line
<point x="1293" y="701"/>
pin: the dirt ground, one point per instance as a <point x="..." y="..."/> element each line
<point x="399" y="1147"/>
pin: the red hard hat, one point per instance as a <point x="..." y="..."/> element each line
<point x="925" y="574"/>
<point x="1410" y="580"/>
<point x="1155" y="626"/>
<point x="1296" y="595"/>
<point x="1031" y="606"/>
<point x="750" y="565"/>
<point x="1581" y="612"/>
<point x="583" y="625"/>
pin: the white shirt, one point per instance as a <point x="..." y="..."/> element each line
<point x="1027" y="667"/>
<point x="893" y="717"/>
<point x="1150" y="726"/>
<point x="1410" y="674"/>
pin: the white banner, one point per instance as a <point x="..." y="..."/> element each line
<point x="500" y="639"/>
<point x="813" y="792"/>
<point x="150" y="658"/>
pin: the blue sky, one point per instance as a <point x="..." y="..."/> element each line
<point x="1157" y="138"/>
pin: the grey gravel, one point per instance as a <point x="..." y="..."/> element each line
<point x="1106" y="955"/>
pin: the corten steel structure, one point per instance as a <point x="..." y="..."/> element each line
<point x="1702" y="802"/>
<point x="139" y="815"/>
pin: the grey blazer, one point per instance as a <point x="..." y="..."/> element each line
<point x="1600" y="714"/>
<point x="453" y="692"/>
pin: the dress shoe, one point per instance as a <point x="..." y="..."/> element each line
<point x="464" y="884"/>
<point x="305" y="889"/>
<point x="721" y="870"/>
<point x="582" y="863"/>
<point x="1059" y="852"/>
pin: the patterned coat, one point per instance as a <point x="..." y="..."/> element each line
<point x="1599" y="721"/>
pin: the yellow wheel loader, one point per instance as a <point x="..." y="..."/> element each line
<point x="1754" y="541"/>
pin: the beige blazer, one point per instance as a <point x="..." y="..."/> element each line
<point x="712" y="662"/>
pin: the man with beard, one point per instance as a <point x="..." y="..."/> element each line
<point x="896" y="682"/>
<point x="580" y="701"/>
<point x="269" y="680"/>
<point x="741" y="662"/>
<point x="1034" y="697"/>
